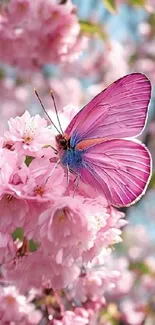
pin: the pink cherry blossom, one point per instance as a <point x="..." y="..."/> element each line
<point x="45" y="180"/>
<point x="70" y="317"/>
<point x="136" y="242"/>
<point x="109" y="234"/>
<point x="7" y="247"/>
<point x="29" y="134"/>
<point x="31" y="220"/>
<point x="69" y="228"/>
<point x="18" y="308"/>
<point x="14" y="212"/>
<point x="130" y="314"/>
<point x="126" y="276"/>
<point x="38" y="32"/>
<point x="8" y="164"/>
<point x="93" y="285"/>
<point x="45" y="269"/>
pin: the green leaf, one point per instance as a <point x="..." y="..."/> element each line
<point x="152" y="181"/>
<point x="140" y="3"/>
<point x="88" y="27"/>
<point x="18" y="234"/>
<point x="32" y="245"/>
<point x="110" y="314"/>
<point x="28" y="160"/>
<point x="142" y="267"/>
<point x="151" y="22"/>
<point x="119" y="248"/>
<point x="110" y="5"/>
<point x="2" y="74"/>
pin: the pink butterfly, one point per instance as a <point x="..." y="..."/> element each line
<point x="94" y="145"/>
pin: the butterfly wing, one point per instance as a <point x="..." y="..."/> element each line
<point x="118" y="111"/>
<point x="118" y="169"/>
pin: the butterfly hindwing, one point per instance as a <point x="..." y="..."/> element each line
<point x="118" y="169"/>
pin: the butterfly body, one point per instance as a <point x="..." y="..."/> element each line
<point x="96" y="147"/>
<point x="73" y="158"/>
<point x="70" y="156"/>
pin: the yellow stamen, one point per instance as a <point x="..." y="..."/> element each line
<point x="39" y="190"/>
<point x="61" y="217"/>
<point x="28" y="139"/>
<point x="11" y="300"/>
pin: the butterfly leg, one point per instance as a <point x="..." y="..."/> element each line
<point x="55" y="166"/>
<point x="68" y="174"/>
<point x="76" y="181"/>
<point x="67" y="183"/>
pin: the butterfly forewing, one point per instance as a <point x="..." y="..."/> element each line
<point x="117" y="112"/>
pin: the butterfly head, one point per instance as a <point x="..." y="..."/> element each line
<point x="63" y="142"/>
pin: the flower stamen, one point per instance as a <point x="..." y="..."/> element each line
<point x="39" y="190"/>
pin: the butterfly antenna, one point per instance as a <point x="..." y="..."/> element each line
<point x="41" y="103"/>
<point x="52" y="96"/>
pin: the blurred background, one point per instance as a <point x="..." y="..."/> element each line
<point x="77" y="49"/>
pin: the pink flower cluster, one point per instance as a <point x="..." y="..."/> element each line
<point x="16" y="308"/>
<point x="69" y="232"/>
<point x="131" y="300"/>
<point x="34" y="33"/>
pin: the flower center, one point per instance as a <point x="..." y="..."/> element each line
<point x="39" y="190"/>
<point x="22" y="7"/>
<point x="61" y="218"/>
<point x="9" y="197"/>
<point x="9" y="202"/>
<point x="10" y="299"/>
<point x="62" y="215"/>
<point x="28" y="139"/>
